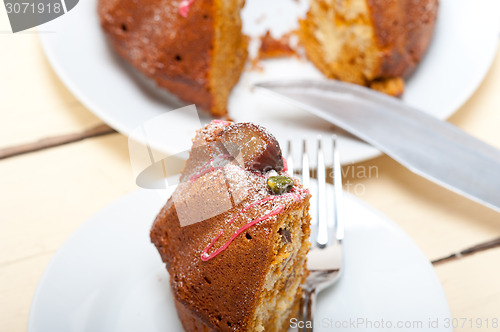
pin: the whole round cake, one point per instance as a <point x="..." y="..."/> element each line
<point x="234" y="235"/>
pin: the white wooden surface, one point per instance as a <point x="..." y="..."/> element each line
<point x="46" y="195"/>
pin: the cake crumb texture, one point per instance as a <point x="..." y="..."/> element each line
<point x="375" y="43"/>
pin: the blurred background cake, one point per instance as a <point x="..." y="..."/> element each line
<point x="234" y="235"/>
<point x="196" y="48"/>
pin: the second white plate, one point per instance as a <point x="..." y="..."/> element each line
<point x="461" y="52"/>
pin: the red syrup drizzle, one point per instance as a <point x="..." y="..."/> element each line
<point x="285" y="165"/>
<point x="204" y="254"/>
<point x="184" y="7"/>
<point x="217" y="121"/>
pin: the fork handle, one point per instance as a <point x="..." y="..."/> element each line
<point x="307" y="310"/>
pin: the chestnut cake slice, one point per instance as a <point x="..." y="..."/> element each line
<point x="234" y="235"/>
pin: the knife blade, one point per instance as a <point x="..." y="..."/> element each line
<point x="429" y="147"/>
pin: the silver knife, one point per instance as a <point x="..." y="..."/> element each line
<point x="427" y="146"/>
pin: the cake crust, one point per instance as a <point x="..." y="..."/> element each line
<point x="403" y="31"/>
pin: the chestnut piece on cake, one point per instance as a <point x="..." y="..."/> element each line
<point x="258" y="150"/>
<point x="240" y="268"/>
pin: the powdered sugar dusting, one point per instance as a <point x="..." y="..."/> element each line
<point x="251" y="200"/>
<point x="210" y="166"/>
<point x="210" y="131"/>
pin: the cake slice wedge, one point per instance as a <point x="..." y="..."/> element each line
<point x="234" y="235"/>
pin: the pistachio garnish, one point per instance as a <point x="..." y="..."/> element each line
<point x="280" y="184"/>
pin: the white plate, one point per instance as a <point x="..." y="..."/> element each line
<point x="462" y="50"/>
<point x="109" y="277"/>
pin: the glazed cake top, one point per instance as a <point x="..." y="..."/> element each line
<point x="222" y="179"/>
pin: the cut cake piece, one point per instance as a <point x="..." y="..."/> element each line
<point x="240" y="268"/>
<point x="196" y="52"/>
<point x="375" y="43"/>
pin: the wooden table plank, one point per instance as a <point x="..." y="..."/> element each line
<point x="53" y="141"/>
<point x="18" y="282"/>
<point x="439" y="221"/>
<point x="472" y="288"/>
<point x="47" y="194"/>
<point x="34" y="102"/>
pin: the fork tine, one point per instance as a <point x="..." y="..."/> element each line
<point x="322" y="237"/>
<point x="324" y="260"/>
<point x="306" y="182"/>
<point x="306" y="179"/>
<point x="338" y="199"/>
<point x="289" y="158"/>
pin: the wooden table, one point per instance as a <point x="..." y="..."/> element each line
<point x="69" y="165"/>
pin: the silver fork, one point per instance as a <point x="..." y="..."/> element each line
<point x="324" y="260"/>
